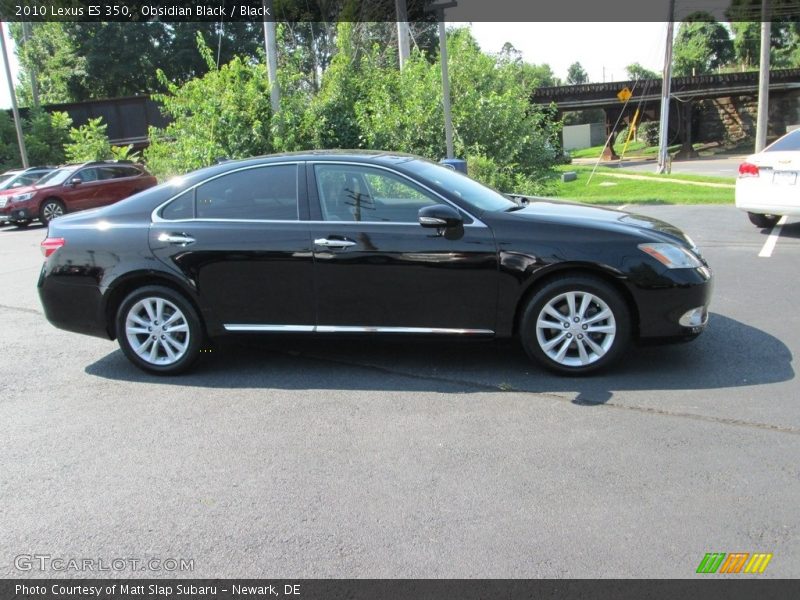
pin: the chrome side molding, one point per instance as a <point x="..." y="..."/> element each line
<point x="243" y="327"/>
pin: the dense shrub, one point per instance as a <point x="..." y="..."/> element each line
<point x="647" y="132"/>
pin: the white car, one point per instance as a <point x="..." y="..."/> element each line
<point x="768" y="186"/>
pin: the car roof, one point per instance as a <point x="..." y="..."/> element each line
<point x="363" y="156"/>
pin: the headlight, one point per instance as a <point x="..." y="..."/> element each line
<point x="672" y="256"/>
<point x="22" y="197"/>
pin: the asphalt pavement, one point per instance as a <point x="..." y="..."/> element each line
<point x="348" y="458"/>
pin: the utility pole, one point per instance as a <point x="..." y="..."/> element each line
<point x="448" y="116"/>
<point x="23" y="153"/>
<point x="26" y="35"/>
<point x="271" y="48"/>
<point x="762" y="119"/>
<point x="403" y="47"/>
<point x="663" y="132"/>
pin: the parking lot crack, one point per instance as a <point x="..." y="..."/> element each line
<point x="21" y="309"/>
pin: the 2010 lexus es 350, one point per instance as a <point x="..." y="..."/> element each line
<point x="383" y="244"/>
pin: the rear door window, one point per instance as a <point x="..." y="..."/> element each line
<point x="266" y="193"/>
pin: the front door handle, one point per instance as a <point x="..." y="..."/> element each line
<point x="176" y="238"/>
<point x="329" y="243"/>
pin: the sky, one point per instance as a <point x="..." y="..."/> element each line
<point x="603" y="49"/>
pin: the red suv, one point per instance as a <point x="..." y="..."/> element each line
<point x="72" y="188"/>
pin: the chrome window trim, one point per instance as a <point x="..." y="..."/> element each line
<point x="354" y="329"/>
<point x="156" y="218"/>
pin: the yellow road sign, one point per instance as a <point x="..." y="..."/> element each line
<point x="624" y="94"/>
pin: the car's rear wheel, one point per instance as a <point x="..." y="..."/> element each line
<point x="763" y="221"/>
<point x="50" y="210"/>
<point x="159" y="330"/>
<point x="575" y="325"/>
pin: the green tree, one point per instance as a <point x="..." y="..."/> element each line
<point x="745" y="18"/>
<point x="637" y="71"/>
<point x="76" y="61"/>
<point x="45" y="136"/>
<point x="331" y="119"/>
<point x="702" y="45"/>
<point x="9" y="150"/>
<point x="54" y="56"/>
<point x="576" y="75"/>
<point x="88" y="142"/>
<point x="403" y="111"/>
<point x="223" y="114"/>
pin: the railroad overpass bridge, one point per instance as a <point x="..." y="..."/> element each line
<point x="701" y="108"/>
<point x="128" y="119"/>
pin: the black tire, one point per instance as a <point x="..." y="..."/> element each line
<point x="601" y="296"/>
<point x="195" y="332"/>
<point x="763" y="221"/>
<point x="50" y="209"/>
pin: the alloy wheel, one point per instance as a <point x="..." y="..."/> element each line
<point x="157" y="331"/>
<point x="575" y="328"/>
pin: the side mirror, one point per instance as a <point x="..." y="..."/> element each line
<point x="75" y="181"/>
<point x="439" y="215"/>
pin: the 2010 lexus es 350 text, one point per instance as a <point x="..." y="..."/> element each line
<point x="322" y="243"/>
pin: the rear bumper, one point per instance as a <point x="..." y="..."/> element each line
<point x="75" y="307"/>
<point x="661" y="308"/>
<point x="758" y="196"/>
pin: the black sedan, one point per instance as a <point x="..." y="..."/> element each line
<point x="326" y="243"/>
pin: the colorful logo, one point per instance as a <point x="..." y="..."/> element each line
<point x="735" y="562"/>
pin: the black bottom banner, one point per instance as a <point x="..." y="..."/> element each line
<point x="395" y="589"/>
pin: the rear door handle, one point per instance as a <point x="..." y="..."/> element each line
<point x="329" y="243"/>
<point x="176" y="238"/>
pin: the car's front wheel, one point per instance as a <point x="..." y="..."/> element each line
<point x="763" y="221"/>
<point x="50" y="210"/>
<point x="576" y="324"/>
<point x="159" y="330"/>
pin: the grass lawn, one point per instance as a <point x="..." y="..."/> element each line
<point x="605" y="189"/>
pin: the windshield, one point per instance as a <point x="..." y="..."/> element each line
<point x="475" y="194"/>
<point x="6" y="181"/>
<point x="55" y="178"/>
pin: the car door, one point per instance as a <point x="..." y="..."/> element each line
<point x="128" y="181"/>
<point x="375" y="266"/>
<point x="239" y="239"/>
<point x="91" y="192"/>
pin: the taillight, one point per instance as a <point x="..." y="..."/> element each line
<point x="747" y="169"/>
<point x="50" y="245"/>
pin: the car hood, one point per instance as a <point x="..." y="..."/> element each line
<point x="18" y="190"/>
<point x="583" y="215"/>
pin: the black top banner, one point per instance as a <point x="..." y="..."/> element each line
<point x="396" y="589"/>
<point x="386" y="10"/>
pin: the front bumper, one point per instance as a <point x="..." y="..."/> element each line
<point x="21" y="214"/>
<point x="662" y="307"/>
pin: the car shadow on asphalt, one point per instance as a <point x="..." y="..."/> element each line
<point x="789" y="230"/>
<point x="729" y="354"/>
